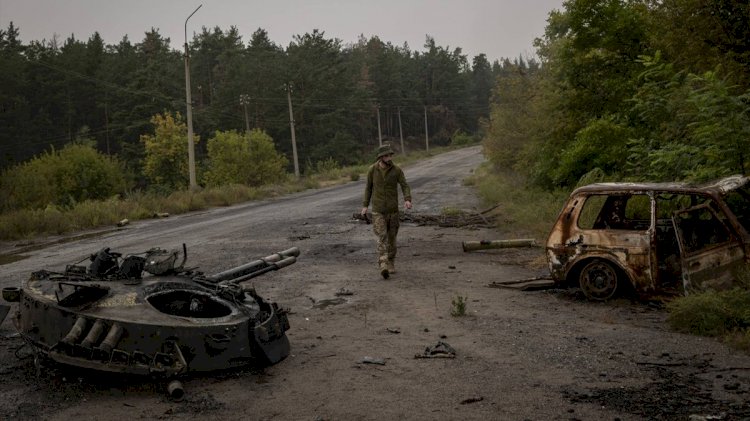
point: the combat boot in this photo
(384, 270)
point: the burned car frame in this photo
(653, 238)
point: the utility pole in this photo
(188, 102)
(244, 100)
(426, 136)
(400, 132)
(380, 137)
(291, 125)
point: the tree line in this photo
(643, 90)
(55, 93)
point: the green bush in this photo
(249, 159)
(461, 138)
(166, 150)
(62, 178)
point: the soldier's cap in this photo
(385, 150)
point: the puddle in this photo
(10, 258)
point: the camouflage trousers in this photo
(385, 226)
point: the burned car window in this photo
(669, 203)
(620, 212)
(700, 229)
(591, 209)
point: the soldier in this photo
(382, 178)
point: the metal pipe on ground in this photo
(498, 244)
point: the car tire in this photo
(598, 280)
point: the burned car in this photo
(174, 320)
(652, 238)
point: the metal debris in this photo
(343, 291)
(372, 360)
(440, 350)
(498, 244)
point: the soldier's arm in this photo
(368, 191)
(405, 189)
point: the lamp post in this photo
(188, 102)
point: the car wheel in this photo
(598, 280)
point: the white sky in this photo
(498, 28)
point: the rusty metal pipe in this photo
(254, 266)
(175, 390)
(113, 337)
(76, 331)
(497, 244)
(94, 334)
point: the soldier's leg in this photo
(380, 227)
(393, 225)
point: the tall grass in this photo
(523, 210)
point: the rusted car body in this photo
(108, 317)
(654, 238)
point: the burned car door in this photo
(614, 236)
(710, 251)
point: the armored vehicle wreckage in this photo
(176, 320)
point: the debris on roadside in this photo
(372, 360)
(472, 400)
(497, 244)
(343, 291)
(528, 284)
(440, 350)
(393, 330)
(123, 222)
(457, 220)
(161, 215)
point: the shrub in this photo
(249, 159)
(62, 178)
(166, 152)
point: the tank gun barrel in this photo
(257, 267)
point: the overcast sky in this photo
(498, 28)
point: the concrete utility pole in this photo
(400, 132)
(244, 100)
(291, 125)
(188, 102)
(426, 136)
(380, 137)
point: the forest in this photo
(651, 90)
(640, 90)
(60, 92)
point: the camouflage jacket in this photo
(381, 188)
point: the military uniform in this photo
(382, 190)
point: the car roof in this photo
(720, 186)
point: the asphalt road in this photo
(264, 224)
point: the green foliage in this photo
(523, 210)
(599, 145)
(63, 178)
(458, 306)
(249, 159)
(461, 138)
(166, 152)
(711, 313)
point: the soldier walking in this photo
(382, 180)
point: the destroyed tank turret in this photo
(109, 317)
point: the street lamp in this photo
(188, 102)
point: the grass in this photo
(29, 223)
(524, 210)
(458, 306)
(721, 314)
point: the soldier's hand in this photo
(407, 204)
(364, 211)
